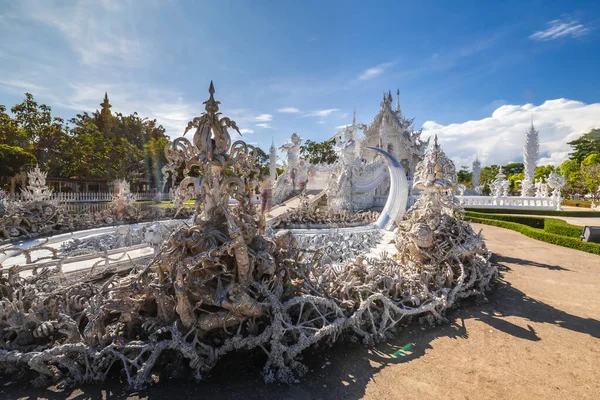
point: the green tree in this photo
(590, 172)
(13, 159)
(513, 168)
(542, 171)
(465, 176)
(588, 143)
(45, 133)
(318, 152)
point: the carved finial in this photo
(212, 106)
(436, 146)
(398, 100)
(354, 118)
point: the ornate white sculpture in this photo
(36, 186)
(123, 200)
(556, 182)
(541, 188)
(219, 286)
(531, 150)
(500, 185)
(296, 172)
(476, 175)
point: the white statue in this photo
(500, 185)
(476, 175)
(541, 188)
(36, 186)
(531, 150)
(123, 200)
(556, 182)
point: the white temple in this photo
(391, 132)
(360, 179)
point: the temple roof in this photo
(394, 122)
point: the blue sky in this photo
(474, 72)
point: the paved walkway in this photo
(536, 338)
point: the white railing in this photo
(93, 197)
(539, 203)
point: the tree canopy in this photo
(588, 143)
(101, 145)
(318, 152)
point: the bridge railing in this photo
(539, 203)
(93, 197)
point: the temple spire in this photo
(354, 117)
(398, 100)
(105, 104)
(212, 105)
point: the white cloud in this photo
(264, 117)
(18, 86)
(264, 126)
(322, 113)
(499, 139)
(288, 110)
(560, 28)
(242, 131)
(374, 72)
(343, 126)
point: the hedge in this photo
(562, 228)
(539, 234)
(534, 222)
(588, 214)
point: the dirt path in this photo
(536, 338)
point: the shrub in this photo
(534, 222)
(539, 234)
(587, 214)
(560, 227)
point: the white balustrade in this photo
(92, 197)
(537, 203)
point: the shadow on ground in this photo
(343, 371)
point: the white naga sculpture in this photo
(36, 186)
(531, 150)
